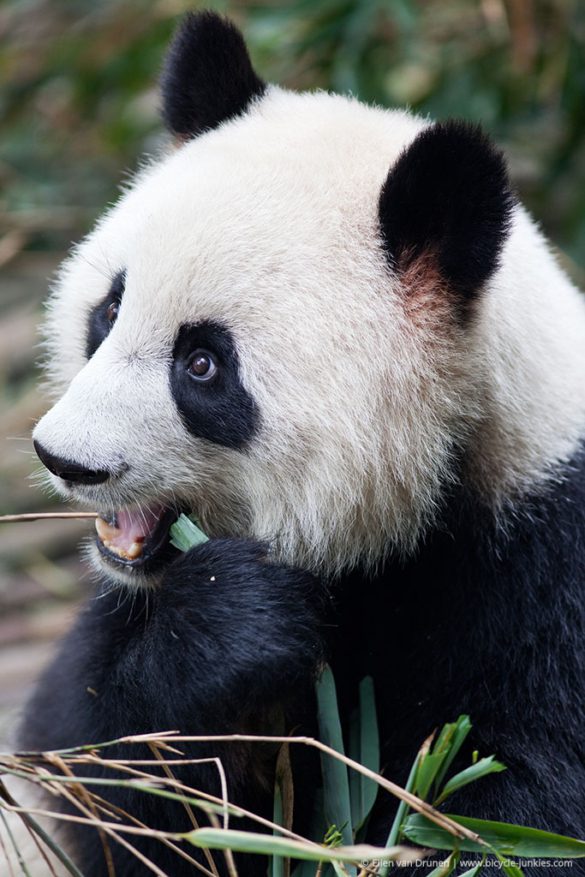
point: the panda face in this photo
(224, 338)
(296, 323)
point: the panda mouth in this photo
(137, 536)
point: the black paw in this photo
(226, 637)
(253, 626)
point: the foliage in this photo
(336, 852)
(79, 100)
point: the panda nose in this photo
(69, 470)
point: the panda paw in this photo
(253, 625)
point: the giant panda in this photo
(332, 333)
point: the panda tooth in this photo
(105, 531)
(134, 551)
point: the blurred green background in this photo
(79, 89)
(78, 106)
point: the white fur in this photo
(269, 225)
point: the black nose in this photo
(68, 470)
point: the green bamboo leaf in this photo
(185, 534)
(364, 747)
(451, 740)
(277, 862)
(354, 776)
(508, 867)
(506, 839)
(369, 747)
(403, 808)
(445, 737)
(428, 769)
(433, 764)
(269, 845)
(335, 778)
(481, 768)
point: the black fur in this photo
(222, 410)
(487, 620)
(448, 195)
(99, 326)
(207, 77)
(228, 642)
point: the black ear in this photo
(449, 196)
(207, 77)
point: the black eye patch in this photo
(100, 318)
(220, 410)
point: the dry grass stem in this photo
(39, 516)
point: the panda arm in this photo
(228, 642)
(226, 633)
(244, 632)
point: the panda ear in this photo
(448, 197)
(207, 76)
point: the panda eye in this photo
(104, 314)
(202, 365)
(112, 311)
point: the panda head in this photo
(273, 329)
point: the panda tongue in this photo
(133, 528)
(138, 523)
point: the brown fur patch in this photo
(428, 301)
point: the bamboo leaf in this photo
(364, 747)
(481, 768)
(428, 769)
(396, 829)
(508, 867)
(451, 739)
(354, 776)
(277, 862)
(269, 845)
(369, 748)
(506, 839)
(335, 778)
(185, 534)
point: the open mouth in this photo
(137, 537)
